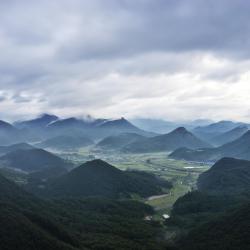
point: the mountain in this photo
(239, 148)
(9, 134)
(115, 127)
(65, 142)
(118, 141)
(88, 224)
(32, 160)
(230, 135)
(98, 178)
(228, 175)
(14, 147)
(229, 231)
(37, 123)
(215, 129)
(180, 137)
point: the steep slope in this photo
(29, 223)
(228, 175)
(230, 136)
(65, 142)
(239, 148)
(32, 160)
(98, 178)
(118, 141)
(180, 137)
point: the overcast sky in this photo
(170, 59)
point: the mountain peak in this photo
(180, 130)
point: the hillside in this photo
(178, 138)
(228, 175)
(98, 178)
(9, 134)
(65, 142)
(29, 223)
(230, 136)
(118, 141)
(239, 148)
(32, 160)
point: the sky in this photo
(169, 59)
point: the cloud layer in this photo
(168, 59)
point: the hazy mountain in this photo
(154, 125)
(180, 137)
(230, 135)
(215, 129)
(14, 147)
(98, 178)
(239, 148)
(118, 141)
(37, 123)
(32, 160)
(65, 142)
(9, 134)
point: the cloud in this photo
(164, 58)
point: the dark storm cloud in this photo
(117, 54)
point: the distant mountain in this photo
(117, 142)
(154, 125)
(215, 129)
(98, 178)
(14, 147)
(9, 134)
(230, 135)
(239, 148)
(32, 160)
(180, 137)
(65, 142)
(37, 123)
(228, 175)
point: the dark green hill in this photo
(65, 142)
(230, 231)
(32, 160)
(118, 141)
(180, 137)
(239, 148)
(228, 175)
(29, 223)
(98, 178)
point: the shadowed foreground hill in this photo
(180, 137)
(28, 223)
(98, 178)
(32, 160)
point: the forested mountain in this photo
(32, 160)
(98, 178)
(239, 148)
(180, 137)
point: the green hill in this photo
(98, 178)
(32, 160)
(29, 223)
